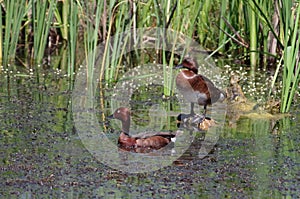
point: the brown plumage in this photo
(196, 88)
(155, 140)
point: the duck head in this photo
(122, 114)
(189, 63)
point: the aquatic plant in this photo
(12, 15)
(262, 32)
(273, 31)
(91, 37)
(291, 69)
(115, 43)
(72, 34)
(42, 16)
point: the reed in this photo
(69, 12)
(251, 21)
(222, 36)
(14, 12)
(291, 69)
(72, 35)
(288, 43)
(253, 27)
(42, 13)
(1, 37)
(162, 14)
(119, 42)
(274, 31)
(262, 29)
(232, 25)
(91, 36)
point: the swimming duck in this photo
(154, 140)
(196, 88)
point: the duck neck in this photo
(126, 126)
(195, 70)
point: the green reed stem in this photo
(1, 37)
(291, 69)
(222, 35)
(253, 35)
(204, 20)
(261, 12)
(119, 43)
(42, 15)
(73, 32)
(13, 19)
(106, 52)
(66, 15)
(91, 39)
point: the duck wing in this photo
(144, 135)
(212, 91)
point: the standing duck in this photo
(196, 88)
(150, 140)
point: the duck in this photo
(190, 119)
(196, 88)
(195, 122)
(153, 140)
(235, 92)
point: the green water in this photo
(42, 154)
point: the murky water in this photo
(42, 154)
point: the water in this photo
(42, 154)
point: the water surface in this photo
(42, 154)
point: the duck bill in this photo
(110, 116)
(178, 66)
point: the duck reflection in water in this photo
(195, 122)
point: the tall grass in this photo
(14, 12)
(291, 69)
(271, 30)
(117, 43)
(42, 13)
(256, 23)
(287, 44)
(260, 30)
(72, 34)
(253, 27)
(91, 37)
